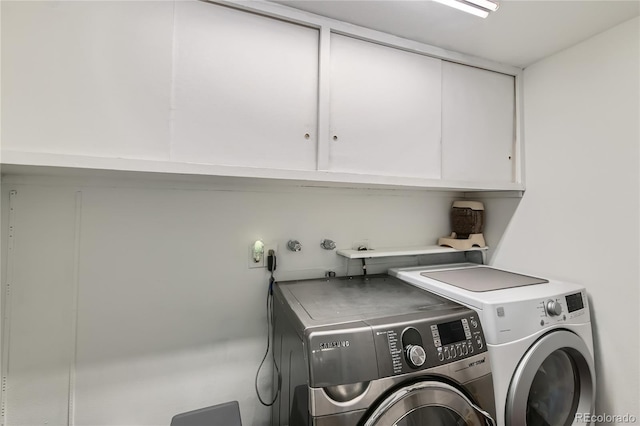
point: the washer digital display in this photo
(451, 332)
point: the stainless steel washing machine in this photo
(376, 351)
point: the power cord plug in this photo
(271, 261)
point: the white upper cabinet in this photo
(249, 89)
(87, 78)
(478, 118)
(245, 89)
(384, 110)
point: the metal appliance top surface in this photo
(321, 302)
(483, 279)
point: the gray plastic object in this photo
(227, 414)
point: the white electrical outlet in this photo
(262, 263)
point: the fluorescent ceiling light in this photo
(479, 8)
(485, 4)
(465, 8)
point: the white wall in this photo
(579, 218)
(169, 316)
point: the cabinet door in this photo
(477, 124)
(385, 110)
(245, 89)
(87, 78)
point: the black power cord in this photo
(271, 266)
(364, 262)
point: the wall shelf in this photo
(402, 251)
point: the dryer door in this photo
(554, 383)
(430, 403)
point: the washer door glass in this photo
(554, 381)
(429, 403)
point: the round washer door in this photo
(554, 381)
(430, 403)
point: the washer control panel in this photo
(417, 345)
(457, 339)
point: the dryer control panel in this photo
(420, 344)
(561, 308)
(511, 320)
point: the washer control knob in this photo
(416, 356)
(553, 308)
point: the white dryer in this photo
(538, 335)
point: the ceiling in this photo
(520, 33)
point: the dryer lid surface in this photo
(483, 279)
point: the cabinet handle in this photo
(335, 137)
(307, 135)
